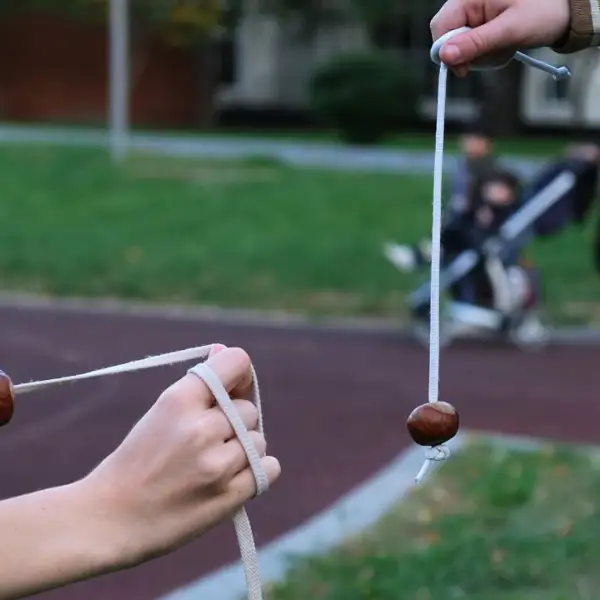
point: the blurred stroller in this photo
(491, 287)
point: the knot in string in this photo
(437, 453)
(441, 453)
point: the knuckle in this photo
(208, 426)
(259, 441)
(435, 27)
(478, 41)
(194, 438)
(247, 411)
(210, 470)
(439, 23)
(170, 397)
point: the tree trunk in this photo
(209, 64)
(500, 99)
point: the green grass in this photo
(489, 525)
(252, 234)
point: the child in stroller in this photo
(499, 293)
(476, 161)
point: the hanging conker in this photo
(433, 423)
(7, 399)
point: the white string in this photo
(149, 362)
(438, 452)
(436, 234)
(442, 452)
(241, 521)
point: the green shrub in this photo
(363, 96)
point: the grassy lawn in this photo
(489, 525)
(244, 234)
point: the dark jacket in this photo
(464, 231)
(575, 205)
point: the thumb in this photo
(499, 35)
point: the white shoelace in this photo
(442, 452)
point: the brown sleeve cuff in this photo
(581, 32)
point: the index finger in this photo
(451, 16)
(233, 368)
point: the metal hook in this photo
(557, 73)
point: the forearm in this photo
(584, 30)
(51, 538)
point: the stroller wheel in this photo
(529, 334)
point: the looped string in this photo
(243, 528)
(441, 453)
(437, 453)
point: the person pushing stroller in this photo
(476, 161)
(498, 281)
(500, 293)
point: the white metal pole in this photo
(118, 65)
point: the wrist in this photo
(91, 538)
(116, 545)
(580, 31)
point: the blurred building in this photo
(272, 66)
(55, 70)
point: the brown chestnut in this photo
(7, 399)
(433, 423)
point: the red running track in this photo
(326, 394)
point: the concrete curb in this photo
(298, 153)
(229, 316)
(352, 514)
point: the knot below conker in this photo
(433, 423)
(7, 399)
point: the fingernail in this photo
(451, 53)
(216, 348)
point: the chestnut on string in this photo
(7, 399)
(433, 423)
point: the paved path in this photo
(296, 152)
(335, 406)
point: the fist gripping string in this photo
(243, 529)
(435, 423)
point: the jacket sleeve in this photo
(584, 31)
